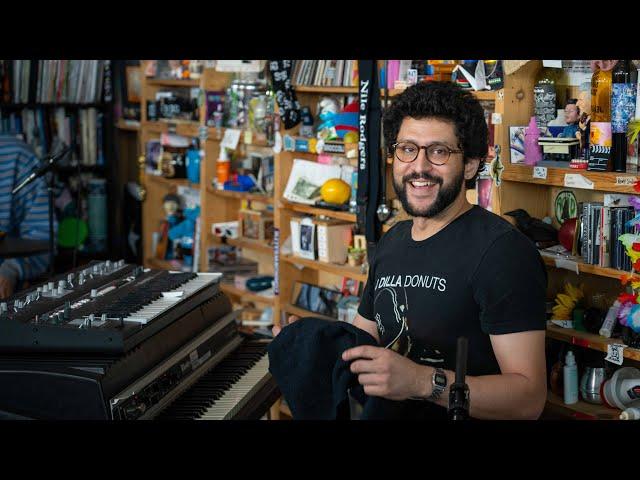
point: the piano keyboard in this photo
(223, 391)
(157, 307)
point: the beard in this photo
(446, 194)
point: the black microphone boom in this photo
(459, 391)
(38, 172)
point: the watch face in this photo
(440, 379)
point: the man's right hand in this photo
(276, 328)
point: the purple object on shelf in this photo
(532, 151)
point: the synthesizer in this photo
(118, 341)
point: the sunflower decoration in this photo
(567, 301)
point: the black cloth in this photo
(478, 276)
(306, 361)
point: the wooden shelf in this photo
(230, 289)
(590, 269)
(168, 182)
(602, 181)
(581, 410)
(588, 340)
(183, 127)
(314, 89)
(258, 197)
(342, 270)
(173, 82)
(485, 94)
(250, 244)
(311, 210)
(301, 312)
(124, 125)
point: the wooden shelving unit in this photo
(341, 270)
(251, 244)
(590, 269)
(310, 210)
(581, 410)
(240, 195)
(172, 82)
(588, 340)
(602, 181)
(246, 294)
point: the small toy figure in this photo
(572, 118)
(584, 107)
(182, 235)
(171, 205)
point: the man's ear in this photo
(471, 167)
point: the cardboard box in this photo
(333, 239)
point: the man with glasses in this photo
(454, 270)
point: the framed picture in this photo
(134, 84)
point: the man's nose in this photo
(422, 163)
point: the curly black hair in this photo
(445, 101)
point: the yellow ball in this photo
(335, 190)
(350, 137)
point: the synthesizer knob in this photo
(94, 293)
(3, 307)
(103, 317)
(70, 279)
(81, 278)
(60, 290)
(51, 285)
(107, 265)
(59, 318)
(92, 319)
(62, 283)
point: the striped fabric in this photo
(27, 214)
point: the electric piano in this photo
(116, 341)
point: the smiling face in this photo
(425, 189)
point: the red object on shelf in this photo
(580, 342)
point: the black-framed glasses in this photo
(437, 153)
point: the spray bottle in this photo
(570, 379)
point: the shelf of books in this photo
(588, 340)
(230, 289)
(343, 270)
(581, 410)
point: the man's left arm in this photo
(519, 392)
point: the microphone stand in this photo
(49, 164)
(459, 390)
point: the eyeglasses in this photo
(437, 153)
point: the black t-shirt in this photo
(476, 277)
